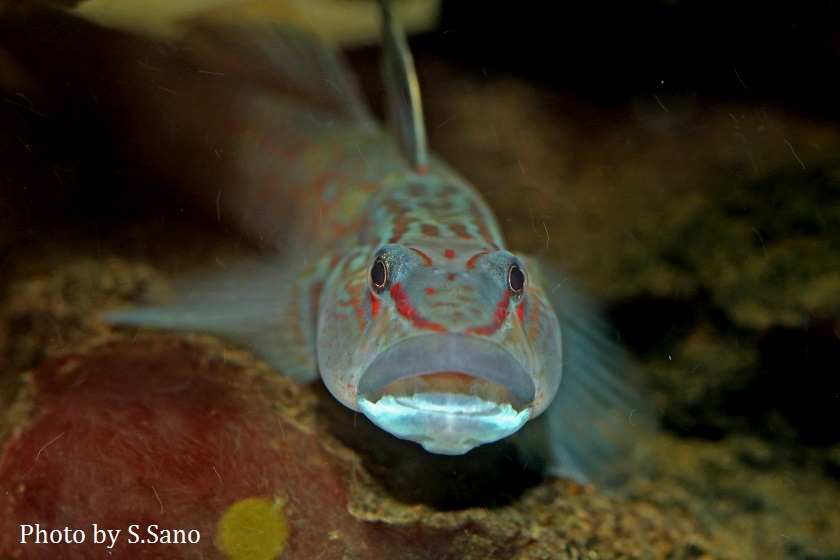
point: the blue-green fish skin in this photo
(395, 284)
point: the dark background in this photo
(778, 51)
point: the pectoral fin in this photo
(596, 428)
(268, 307)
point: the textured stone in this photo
(161, 434)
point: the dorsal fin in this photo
(402, 92)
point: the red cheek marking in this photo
(449, 254)
(450, 276)
(498, 317)
(430, 291)
(408, 311)
(520, 312)
(374, 301)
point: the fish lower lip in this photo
(407, 389)
(443, 423)
(449, 393)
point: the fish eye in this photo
(378, 275)
(516, 279)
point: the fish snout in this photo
(447, 392)
(460, 302)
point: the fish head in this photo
(451, 348)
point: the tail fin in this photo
(283, 59)
(343, 23)
(272, 42)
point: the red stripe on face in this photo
(422, 254)
(374, 301)
(471, 263)
(449, 254)
(498, 318)
(520, 311)
(408, 311)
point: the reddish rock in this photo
(161, 432)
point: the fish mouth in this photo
(447, 392)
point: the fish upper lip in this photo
(453, 352)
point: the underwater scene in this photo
(260, 299)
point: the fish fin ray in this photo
(597, 427)
(402, 92)
(282, 58)
(266, 306)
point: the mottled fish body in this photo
(395, 284)
(454, 347)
